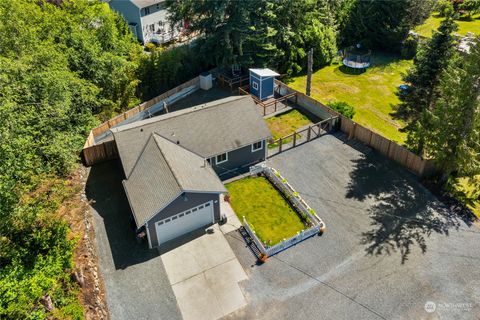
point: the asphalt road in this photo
(391, 249)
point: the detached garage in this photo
(172, 191)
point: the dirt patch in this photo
(77, 213)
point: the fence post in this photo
(280, 142)
(352, 133)
(309, 132)
(294, 138)
(275, 105)
(296, 98)
(264, 110)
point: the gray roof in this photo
(207, 130)
(162, 173)
(145, 3)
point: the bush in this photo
(409, 48)
(342, 108)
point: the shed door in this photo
(184, 222)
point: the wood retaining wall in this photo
(386, 147)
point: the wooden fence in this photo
(386, 147)
(99, 153)
(93, 153)
(301, 136)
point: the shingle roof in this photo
(163, 172)
(207, 130)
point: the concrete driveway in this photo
(204, 274)
(391, 249)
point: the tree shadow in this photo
(105, 192)
(403, 212)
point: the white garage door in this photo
(184, 222)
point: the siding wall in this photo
(130, 12)
(239, 160)
(179, 205)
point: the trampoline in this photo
(356, 57)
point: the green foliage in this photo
(61, 68)
(343, 108)
(383, 24)
(443, 7)
(163, 70)
(270, 33)
(472, 7)
(409, 48)
(423, 78)
(454, 124)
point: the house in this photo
(173, 164)
(262, 82)
(148, 19)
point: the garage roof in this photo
(207, 130)
(162, 173)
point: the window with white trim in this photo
(257, 146)
(221, 158)
(255, 85)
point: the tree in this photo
(454, 138)
(262, 33)
(471, 7)
(383, 24)
(423, 78)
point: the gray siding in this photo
(179, 205)
(153, 8)
(130, 12)
(239, 161)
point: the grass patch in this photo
(371, 93)
(286, 123)
(464, 26)
(267, 212)
(466, 190)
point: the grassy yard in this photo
(372, 93)
(464, 26)
(286, 123)
(267, 212)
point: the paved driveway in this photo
(194, 277)
(389, 248)
(137, 286)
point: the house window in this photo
(257, 146)
(255, 85)
(147, 10)
(221, 158)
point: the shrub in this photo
(343, 108)
(409, 47)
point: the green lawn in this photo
(286, 123)
(464, 26)
(372, 93)
(267, 212)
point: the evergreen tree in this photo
(454, 138)
(423, 79)
(383, 24)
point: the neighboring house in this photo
(148, 19)
(171, 163)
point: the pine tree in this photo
(454, 138)
(423, 79)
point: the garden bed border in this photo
(301, 207)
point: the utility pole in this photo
(309, 71)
